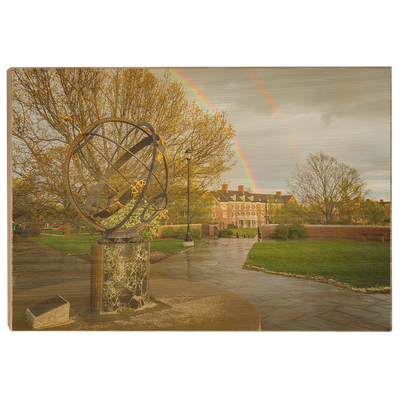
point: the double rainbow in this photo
(243, 160)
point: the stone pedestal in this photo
(119, 276)
(188, 244)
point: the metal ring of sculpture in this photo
(110, 166)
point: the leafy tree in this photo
(371, 212)
(287, 214)
(323, 187)
(388, 213)
(200, 206)
(52, 105)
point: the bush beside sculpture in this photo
(181, 233)
(226, 233)
(169, 233)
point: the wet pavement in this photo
(203, 288)
(40, 273)
(284, 303)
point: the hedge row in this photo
(181, 233)
(292, 231)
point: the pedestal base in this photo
(188, 244)
(119, 276)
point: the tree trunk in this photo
(68, 228)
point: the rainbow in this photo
(243, 160)
(281, 114)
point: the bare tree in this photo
(325, 188)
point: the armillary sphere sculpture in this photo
(116, 171)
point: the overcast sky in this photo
(291, 112)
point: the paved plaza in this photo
(284, 303)
(203, 288)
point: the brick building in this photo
(244, 209)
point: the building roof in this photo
(238, 196)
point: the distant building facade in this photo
(243, 208)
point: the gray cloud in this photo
(344, 112)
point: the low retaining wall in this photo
(206, 229)
(344, 231)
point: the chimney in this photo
(225, 187)
(241, 188)
(381, 200)
(368, 200)
(279, 193)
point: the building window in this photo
(224, 214)
(240, 206)
(213, 214)
(244, 206)
(223, 206)
(214, 205)
(233, 214)
(233, 206)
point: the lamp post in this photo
(188, 241)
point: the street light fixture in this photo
(188, 241)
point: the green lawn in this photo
(359, 264)
(60, 232)
(74, 244)
(81, 244)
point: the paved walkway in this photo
(204, 288)
(40, 273)
(284, 303)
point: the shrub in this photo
(195, 233)
(298, 230)
(232, 226)
(282, 230)
(294, 237)
(284, 237)
(226, 233)
(272, 235)
(182, 232)
(169, 232)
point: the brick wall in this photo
(345, 231)
(211, 229)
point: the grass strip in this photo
(82, 244)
